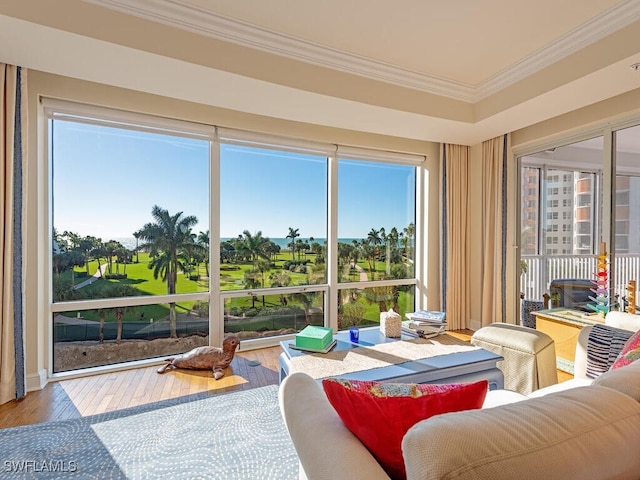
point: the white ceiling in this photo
(462, 42)
(477, 54)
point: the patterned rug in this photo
(239, 435)
(340, 362)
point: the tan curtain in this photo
(12, 372)
(456, 255)
(493, 241)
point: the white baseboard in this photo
(37, 381)
(474, 325)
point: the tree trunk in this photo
(119, 315)
(171, 280)
(388, 259)
(101, 325)
(173, 324)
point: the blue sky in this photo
(107, 180)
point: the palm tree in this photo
(389, 240)
(280, 279)
(375, 237)
(72, 239)
(369, 252)
(113, 291)
(86, 246)
(123, 256)
(299, 248)
(410, 232)
(251, 281)
(307, 299)
(273, 249)
(110, 248)
(137, 234)
(262, 266)
(165, 240)
(204, 242)
(293, 234)
(98, 252)
(227, 251)
(256, 246)
(121, 290)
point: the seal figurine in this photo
(206, 358)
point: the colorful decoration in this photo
(601, 299)
(631, 296)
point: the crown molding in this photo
(610, 21)
(180, 14)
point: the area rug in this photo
(341, 362)
(238, 435)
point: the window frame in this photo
(605, 177)
(215, 135)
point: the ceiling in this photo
(459, 71)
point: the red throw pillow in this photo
(380, 414)
(629, 353)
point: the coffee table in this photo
(460, 367)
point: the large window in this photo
(376, 239)
(168, 235)
(273, 235)
(129, 219)
(560, 220)
(626, 209)
(600, 207)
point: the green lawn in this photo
(140, 277)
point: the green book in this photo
(312, 337)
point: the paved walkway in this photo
(73, 321)
(99, 274)
(361, 271)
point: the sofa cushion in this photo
(624, 379)
(327, 449)
(380, 414)
(630, 352)
(579, 434)
(495, 398)
(560, 387)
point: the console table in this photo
(563, 325)
(459, 367)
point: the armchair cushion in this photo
(380, 414)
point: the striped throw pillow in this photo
(603, 347)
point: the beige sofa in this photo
(580, 429)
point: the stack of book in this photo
(424, 323)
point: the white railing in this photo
(542, 269)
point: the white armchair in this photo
(626, 321)
(621, 320)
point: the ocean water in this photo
(130, 242)
(284, 242)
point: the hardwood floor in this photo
(78, 397)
